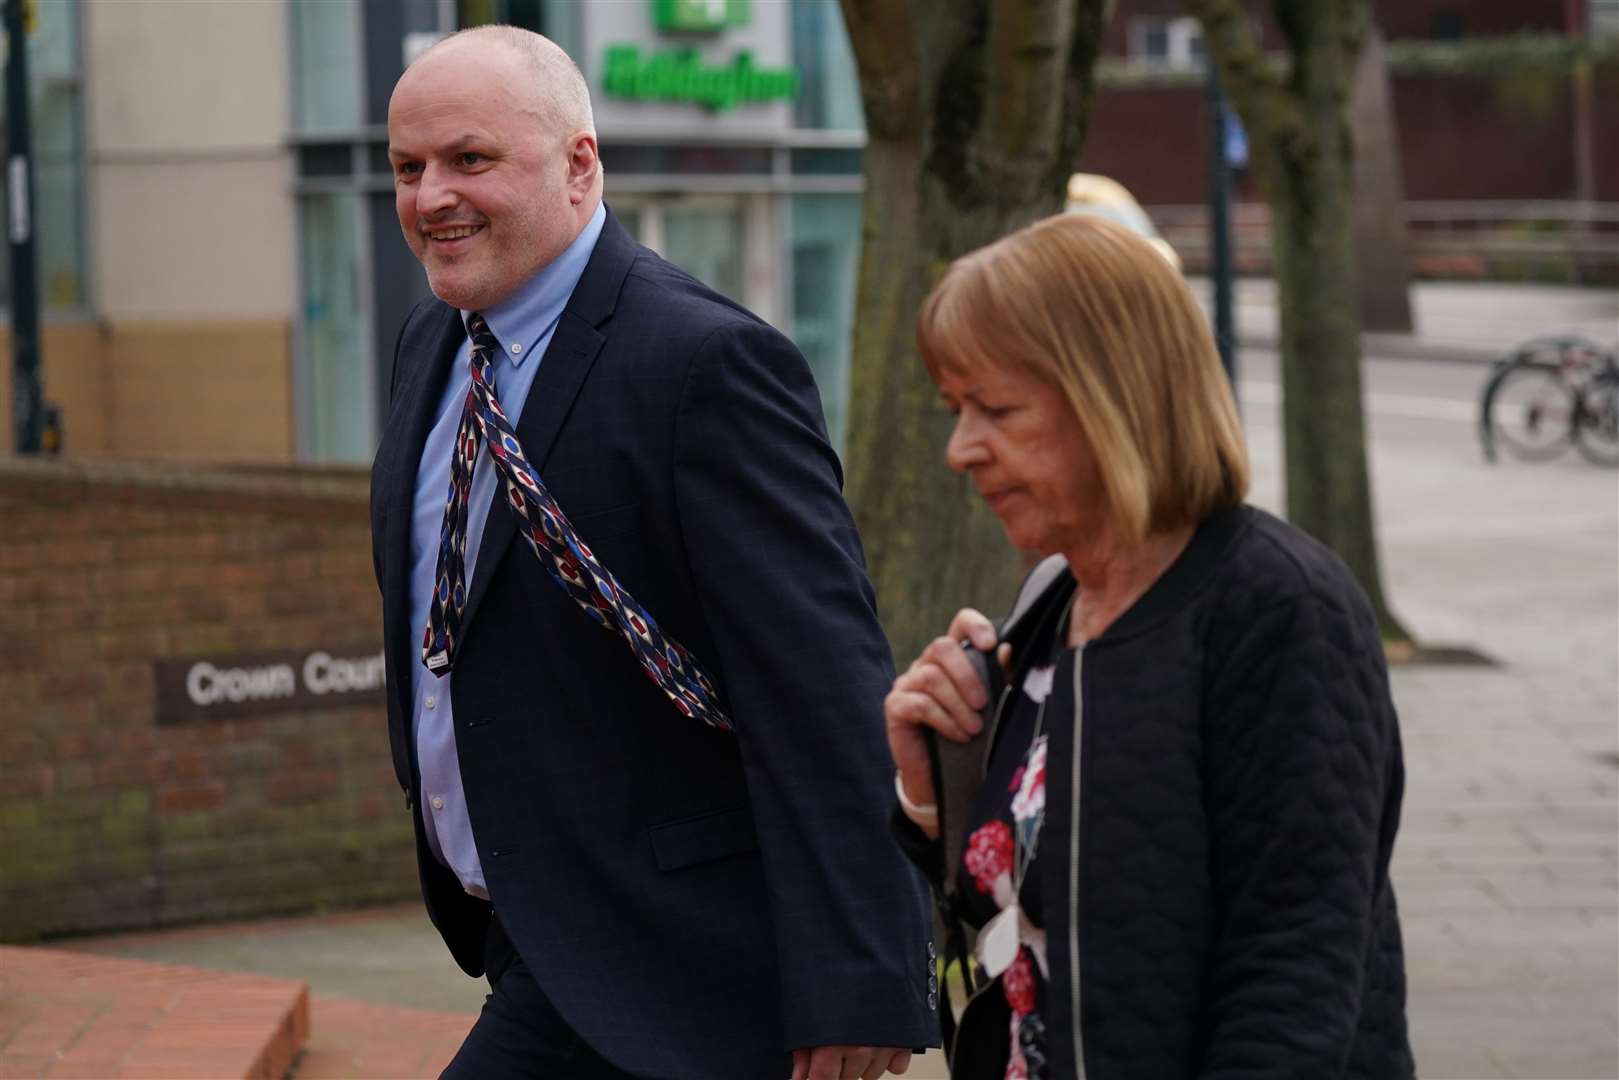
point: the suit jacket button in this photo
(933, 1001)
(931, 953)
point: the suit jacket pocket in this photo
(597, 525)
(719, 834)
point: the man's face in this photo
(481, 187)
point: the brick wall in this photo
(109, 819)
(1460, 137)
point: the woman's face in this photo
(1017, 438)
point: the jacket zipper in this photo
(1073, 861)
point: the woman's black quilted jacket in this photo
(1239, 791)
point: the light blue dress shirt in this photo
(524, 324)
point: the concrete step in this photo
(67, 1014)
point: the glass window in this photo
(826, 257)
(57, 220)
(525, 13)
(558, 20)
(707, 244)
(335, 393)
(829, 90)
(1604, 18)
(1448, 25)
(1163, 42)
(630, 219)
(684, 158)
(55, 128)
(826, 161)
(53, 46)
(327, 159)
(1155, 42)
(327, 65)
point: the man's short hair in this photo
(561, 94)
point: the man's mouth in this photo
(451, 233)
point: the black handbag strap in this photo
(959, 768)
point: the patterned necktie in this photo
(563, 554)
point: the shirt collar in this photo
(526, 316)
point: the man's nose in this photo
(434, 194)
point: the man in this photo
(649, 895)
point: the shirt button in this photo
(517, 347)
(431, 702)
(438, 802)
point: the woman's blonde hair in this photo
(1092, 308)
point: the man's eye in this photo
(406, 168)
(468, 158)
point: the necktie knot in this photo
(483, 338)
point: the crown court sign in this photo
(221, 687)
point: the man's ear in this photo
(583, 165)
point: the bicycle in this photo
(1553, 393)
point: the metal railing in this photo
(1511, 240)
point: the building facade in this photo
(164, 225)
(1489, 99)
(223, 273)
(223, 269)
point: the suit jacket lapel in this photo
(430, 355)
(563, 371)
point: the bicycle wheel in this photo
(1596, 434)
(1532, 412)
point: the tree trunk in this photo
(1382, 259)
(975, 110)
(1299, 135)
(1328, 482)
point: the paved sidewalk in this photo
(386, 1003)
(1507, 864)
(1463, 321)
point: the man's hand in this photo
(848, 1062)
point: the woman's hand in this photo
(939, 690)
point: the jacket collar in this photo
(1174, 589)
(1186, 576)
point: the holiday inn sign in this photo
(698, 16)
(681, 75)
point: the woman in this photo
(1178, 859)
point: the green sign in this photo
(680, 75)
(698, 16)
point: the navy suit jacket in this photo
(694, 902)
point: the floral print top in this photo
(1002, 854)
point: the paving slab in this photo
(67, 1014)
